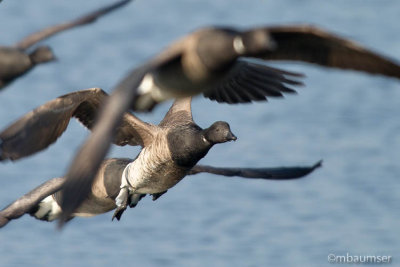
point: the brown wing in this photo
(251, 81)
(314, 45)
(179, 113)
(25, 203)
(41, 127)
(52, 30)
(278, 173)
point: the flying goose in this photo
(213, 61)
(17, 60)
(43, 202)
(170, 151)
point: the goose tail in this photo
(47, 210)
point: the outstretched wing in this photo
(179, 113)
(314, 45)
(41, 127)
(52, 30)
(277, 173)
(251, 81)
(28, 201)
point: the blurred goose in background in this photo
(213, 61)
(15, 61)
(170, 151)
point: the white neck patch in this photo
(238, 45)
(146, 85)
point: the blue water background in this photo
(348, 119)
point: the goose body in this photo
(153, 171)
(15, 62)
(100, 200)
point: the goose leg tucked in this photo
(134, 199)
(124, 199)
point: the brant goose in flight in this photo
(43, 202)
(170, 151)
(16, 61)
(212, 61)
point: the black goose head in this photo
(219, 132)
(253, 42)
(215, 47)
(42, 54)
(219, 47)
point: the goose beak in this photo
(231, 137)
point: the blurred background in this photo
(348, 119)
